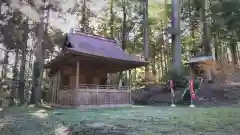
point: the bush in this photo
(180, 79)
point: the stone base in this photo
(192, 106)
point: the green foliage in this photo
(222, 18)
(180, 79)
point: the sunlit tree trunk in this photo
(165, 48)
(23, 62)
(145, 38)
(134, 75)
(166, 17)
(5, 64)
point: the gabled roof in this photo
(200, 59)
(96, 47)
(99, 46)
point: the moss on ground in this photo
(120, 121)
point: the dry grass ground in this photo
(145, 120)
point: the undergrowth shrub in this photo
(179, 79)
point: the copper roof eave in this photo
(56, 60)
(139, 63)
(199, 59)
(68, 51)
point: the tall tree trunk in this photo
(111, 23)
(23, 63)
(145, 38)
(237, 51)
(5, 64)
(39, 61)
(111, 19)
(165, 48)
(176, 39)
(14, 78)
(237, 46)
(124, 25)
(233, 52)
(161, 61)
(154, 62)
(217, 46)
(220, 50)
(83, 20)
(30, 62)
(169, 55)
(190, 8)
(205, 28)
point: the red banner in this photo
(171, 87)
(171, 83)
(192, 92)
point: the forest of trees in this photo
(28, 40)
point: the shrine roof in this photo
(92, 46)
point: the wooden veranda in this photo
(79, 75)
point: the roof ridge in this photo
(95, 36)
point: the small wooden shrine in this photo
(79, 74)
(201, 66)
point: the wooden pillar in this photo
(130, 79)
(130, 85)
(54, 89)
(77, 75)
(59, 79)
(50, 91)
(58, 85)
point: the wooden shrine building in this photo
(201, 66)
(79, 74)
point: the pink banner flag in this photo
(192, 92)
(171, 83)
(171, 87)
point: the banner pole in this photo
(172, 93)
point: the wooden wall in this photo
(54, 87)
(85, 77)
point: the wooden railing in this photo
(109, 87)
(65, 88)
(96, 87)
(94, 95)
